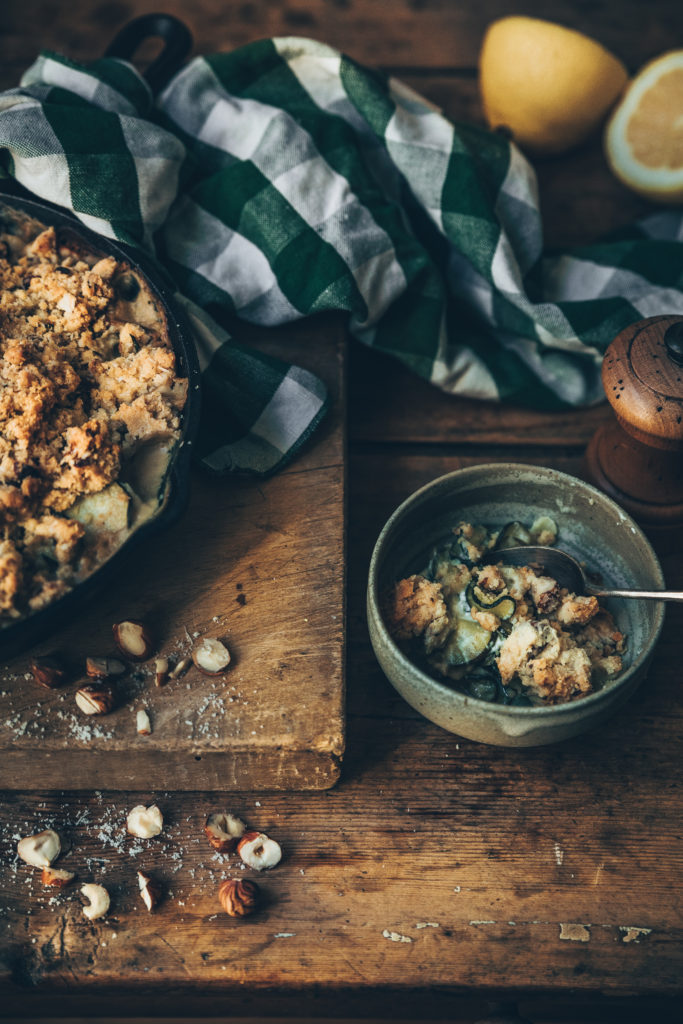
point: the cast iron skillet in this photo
(36, 627)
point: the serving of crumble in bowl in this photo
(501, 655)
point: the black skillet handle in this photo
(177, 44)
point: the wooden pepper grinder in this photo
(638, 459)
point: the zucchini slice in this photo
(108, 510)
(467, 643)
(471, 547)
(544, 531)
(502, 606)
(513, 535)
(483, 684)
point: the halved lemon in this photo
(644, 136)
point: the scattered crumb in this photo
(396, 936)
(284, 935)
(633, 934)
(559, 854)
(427, 924)
(575, 932)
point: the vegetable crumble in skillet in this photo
(90, 410)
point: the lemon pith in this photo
(644, 137)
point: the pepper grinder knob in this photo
(638, 458)
(673, 341)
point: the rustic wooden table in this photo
(550, 877)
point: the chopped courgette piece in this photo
(481, 599)
(471, 543)
(500, 605)
(127, 286)
(467, 643)
(109, 509)
(483, 684)
(544, 531)
(513, 535)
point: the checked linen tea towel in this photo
(283, 179)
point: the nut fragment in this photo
(258, 851)
(133, 639)
(99, 668)
(179, 670)
(40, 850)
(160, 671)
(95, 699)
(223, 830)
(48, 671)
(98, 898)
(144, 726)
(57, 877)
(150, 890)
(239, 897)
(145, 822)
(211, 656)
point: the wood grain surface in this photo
(438, 874)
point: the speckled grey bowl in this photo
(592, 527)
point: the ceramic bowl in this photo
(592, 527)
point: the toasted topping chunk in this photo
(415, 607)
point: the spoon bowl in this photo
(569, 573)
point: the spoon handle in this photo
(641, 595)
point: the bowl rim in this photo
(539, 712)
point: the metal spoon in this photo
(566, 570)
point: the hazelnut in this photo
(258, 851)
(133, 639)
(150, 890)
(48, 671)
(95, 699)
(145, 822)
(239, 897)
(57, 877)
(179, 670)
(211, 656)
(223, 830)
(160, 671)
(100, 668)
(144, 726)
(98, 900)
(40, 850)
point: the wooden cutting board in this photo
(259, 564)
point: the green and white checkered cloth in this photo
(284, 179)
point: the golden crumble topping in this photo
(87, 383)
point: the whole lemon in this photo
(549, 86)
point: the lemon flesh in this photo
(549, 86)
(644, 137)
